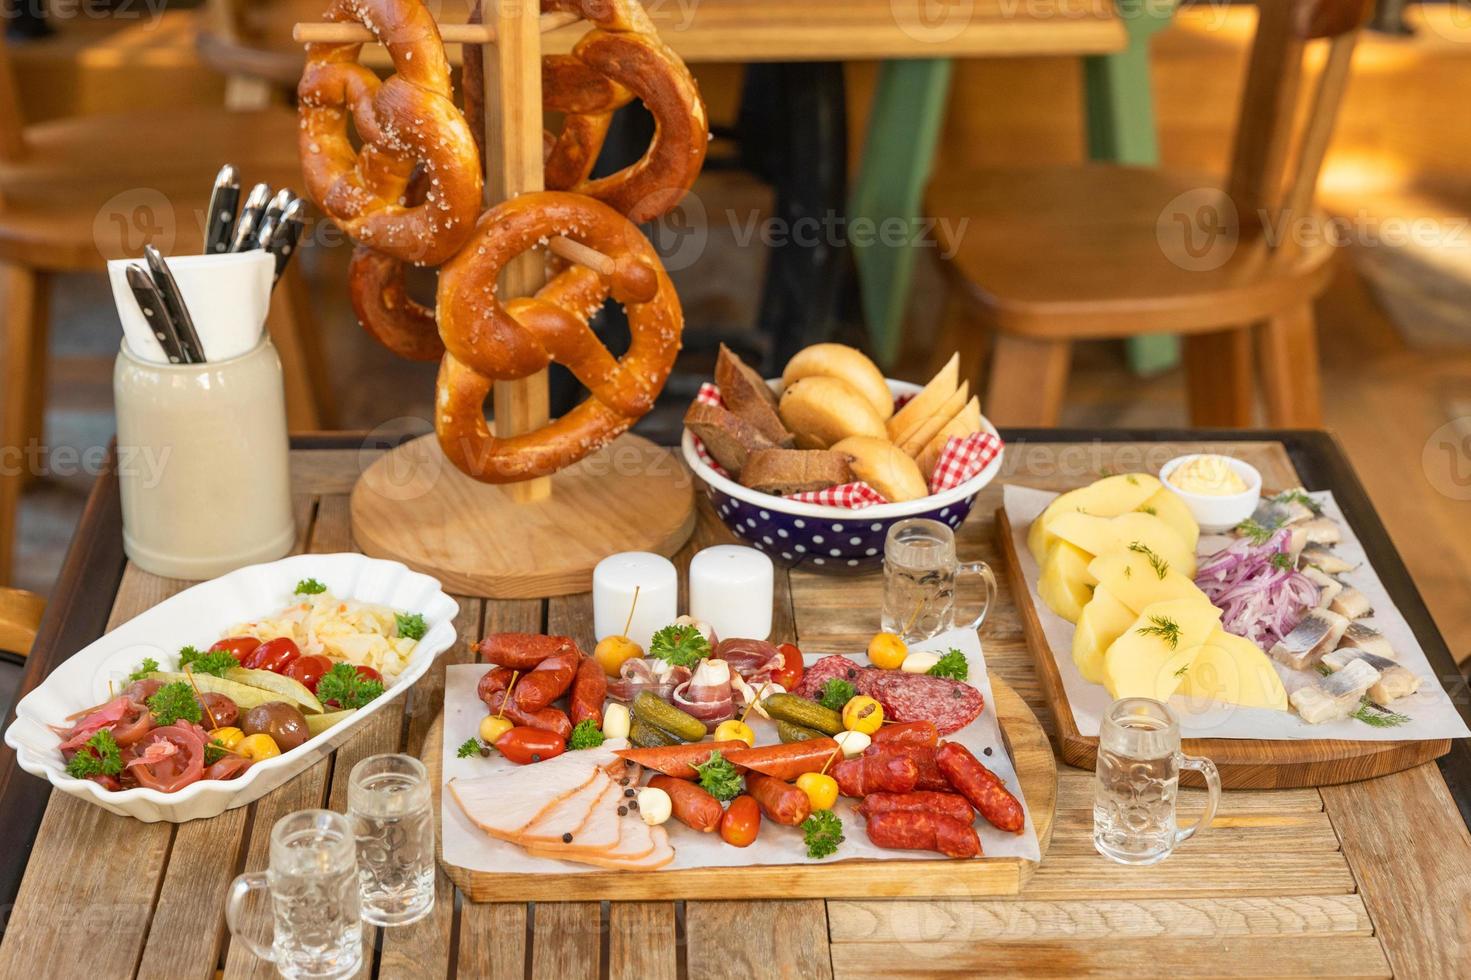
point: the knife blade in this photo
(250, 217)
(223, 200)
(150, 304)
(287, 234)
(173, 302)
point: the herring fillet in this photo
(1316, 634)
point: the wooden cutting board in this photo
(1243, 763)
(977, 878)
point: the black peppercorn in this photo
(566, 838)
(630, 793)
(986, 750)
(623, 811)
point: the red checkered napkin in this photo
(849, 496)
(963, 458)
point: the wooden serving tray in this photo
(1243, 763)
(977, 878)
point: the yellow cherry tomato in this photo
(493, 727)
(863, 714)
(821, 789)
(612, 651)
(228, 737)
(735, 731)
(886, 651)
(257, 747)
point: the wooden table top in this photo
(1352, 880)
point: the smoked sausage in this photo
(907, 733)
(547, 681)
(782, 802)
(951, 805)
(547, 719)
(589, 688)
(879, 773)
(495, 680)
(690, 804)
(930, 777)
(981, 786)
(786, 761)
(522, 651)
(912, 830)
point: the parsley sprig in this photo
(719, 777)
(822, 832)
(98, 756)
(214, 662)
(310, 586)
(952, 665)
(836, 693)
(148, 666)
(173, 702)
(682, 645)
(411, 625)
(1163, 627)
(586, 735)
(469, 748)
(346, 688)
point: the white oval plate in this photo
(199, 616)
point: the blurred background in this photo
(907, 124)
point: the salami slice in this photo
(950, 705)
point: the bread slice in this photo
(926, 403)
(728, 438)
(885, 467)
(966, 422)
(785, 471)
(927, 429)
(749, 397)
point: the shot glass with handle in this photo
(312, 881)
(921, 572)
(1138, 781)
(390, 805)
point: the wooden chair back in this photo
(20, 617)
(12, 114)
(1279, 148)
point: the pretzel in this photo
(487, 341)
(621, 59)
(408, 120)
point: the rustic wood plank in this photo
(1072, 833)
(1192, 871)
(1008, 921)
(492, 941)
(424, 947)
(642, 941)
(757, 939)
(72, 835)
(1259, 956)
(1075, 792)
(566, 940)
(1409, 850)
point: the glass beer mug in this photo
(920, 573)
(1138, 779)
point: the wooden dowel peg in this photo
(581, 254)
(327, 32)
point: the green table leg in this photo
(1121, 129)
(899, 151)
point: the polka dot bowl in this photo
(828, 540)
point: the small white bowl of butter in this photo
(1221, 492)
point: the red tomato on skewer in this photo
(789, 674)
(238, 647)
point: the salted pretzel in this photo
(488, 341)
(407, 121)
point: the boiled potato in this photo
(1104, 620)
(1153, 655)
(1131, 578)
(1064, 583)
(1233, 669)
(1108, 497)
(1105, 535)
(1172, 510)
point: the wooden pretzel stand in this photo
(541, 537)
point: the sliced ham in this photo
(753, 660)
(504, 803)
(589, 817)
(641, 848)
(708, 694)
(641, 674)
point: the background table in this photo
(1351, 880)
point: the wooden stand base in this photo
(413, 506)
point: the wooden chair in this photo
(77, 192)
(20, 617)
(1057, 254)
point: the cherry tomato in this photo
(789, 674)
(273, 655)
(742, 821)
(369, 674)
(524, 745)
(307, 670)
(238, 647)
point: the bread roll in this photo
(848, 364)
(785, 471)
(885, 467)
(749, 397)
(727, 438)
(821, 410)
(926, 430)
(926, 403)
(965, 422)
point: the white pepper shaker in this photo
(617, 579)
(731, 589)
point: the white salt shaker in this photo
(731, 589)
(614, 583)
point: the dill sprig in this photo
(1299, 497)
(1161, 567)
(1164, 628)
(1372, 714)
(1282, 560)
(1256, 531)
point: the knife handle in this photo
(223, 200)
(150, 304)
(173, 302)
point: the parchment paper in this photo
(1431, 713)
(466, 846)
